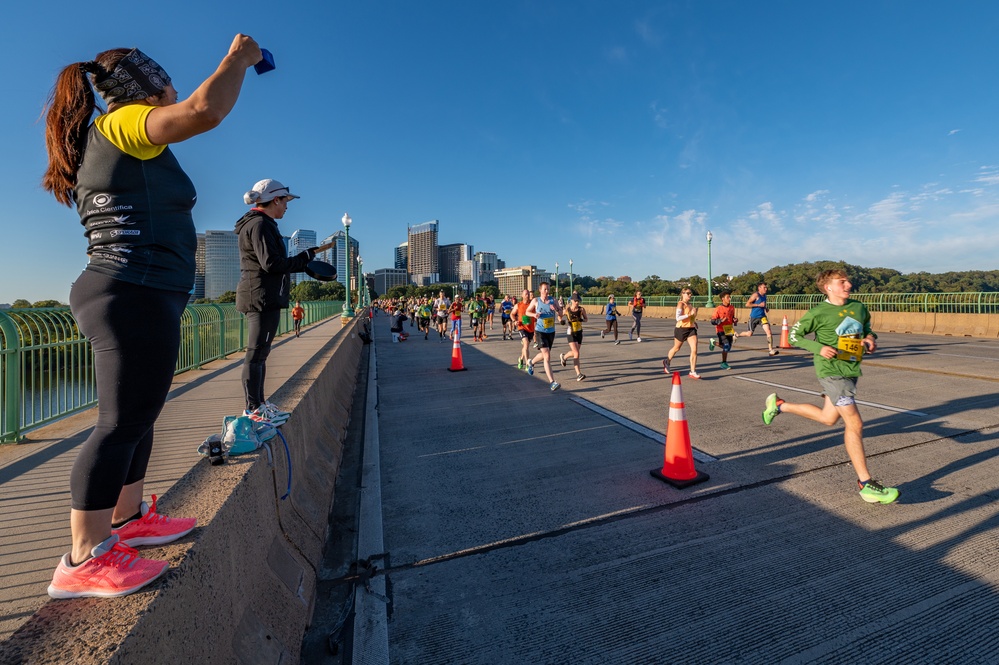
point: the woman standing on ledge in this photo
(263, 289)
(134, 202)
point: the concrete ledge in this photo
(240, 589)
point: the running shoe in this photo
(113, 570)
(602, 333)
(771, 409)
(580, 377)
(725, 366)
(530, 368)
(269, 416)
(616, 342)
(693, 375)
(666, 365)
(711, 344)
(774, 352)
(561, 359)
(153, 528)
(555, 386)
(260, 415)
(520, 363)
(639, 339)
(272, 408)
(874, 492)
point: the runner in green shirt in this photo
(842, 329)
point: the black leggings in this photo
(135, 333)
(260, 330)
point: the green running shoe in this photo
(873, 492)
(520, 363)
(711, 344)
(771, 410)
(725, 366)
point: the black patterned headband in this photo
(135, 77)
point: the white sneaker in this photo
(276, 416)
(561, 359)
(639, 339)
(273, 409)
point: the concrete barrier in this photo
(240, 591)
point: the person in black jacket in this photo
(264, 283)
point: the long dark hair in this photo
(68, 112)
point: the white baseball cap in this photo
(265, 191)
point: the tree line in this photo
(792, 278)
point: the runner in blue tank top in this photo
(758, 316)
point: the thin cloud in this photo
(952, 132)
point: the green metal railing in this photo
(47, 368)
(937, 303)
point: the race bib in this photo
(850, 349)
(728, 329)
(547, 322)
(525, 320)
(577, 326)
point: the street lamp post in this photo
(711, 300)
(556, 281)
(360, 282)
(348, 311)
(570, 277)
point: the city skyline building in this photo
(423, 267)
(299, 241)
(387, 278)
(450, 257)
(512, 281)
(221, 263)
(487, 263)
(199, 270)
(402, 256)
(337, 257)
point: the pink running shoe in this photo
(153, 528)
(114, 570)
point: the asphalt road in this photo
(522, 525)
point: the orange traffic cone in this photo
(678, 464)
(784, 342)
(456, 364)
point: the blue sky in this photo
(613, 133)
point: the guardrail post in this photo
(196, 334)
(12, 380)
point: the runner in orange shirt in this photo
(297, 314)
(525, 324)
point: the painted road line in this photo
(658, 437)
(875, 405)
(507, 443)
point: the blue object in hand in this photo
(265, 65)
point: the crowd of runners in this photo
(840, 326)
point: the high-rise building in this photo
(199, 269)
(449, 261)
(402, 256)
(300, 241)
(468, 275)
(386, 278)
(337, 257)
(221, 263)
(423, 257)
(514, 280)
(487, 264)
